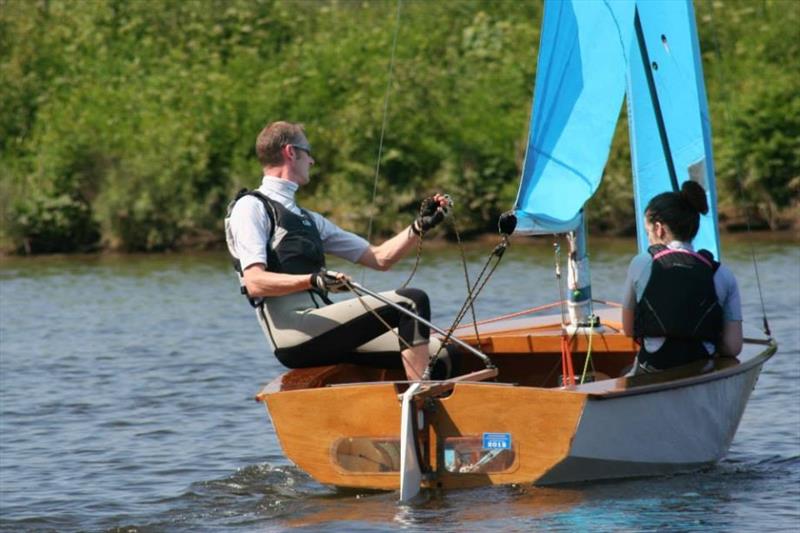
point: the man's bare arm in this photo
(432, 211)
(383, 256)
(260, 282)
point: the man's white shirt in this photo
(250, 227)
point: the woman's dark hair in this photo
(679, 211)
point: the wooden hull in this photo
(542, 439)
(347, 434)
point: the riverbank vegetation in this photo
(130, 124)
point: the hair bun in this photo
(694, 195)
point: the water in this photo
(126, 387)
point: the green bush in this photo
(52, 224)
(128, 125)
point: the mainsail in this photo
(669, 125)
(591, 54)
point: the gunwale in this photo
(508, 337)
(611, 388)
(723, 368)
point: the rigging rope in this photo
(588, 357)
(389, 80)
(740, 185)
(417, 259)
(472, 293)
(477, 287)
(470, 290)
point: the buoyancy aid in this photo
(680, 304)
(294, 245)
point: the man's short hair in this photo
(273, 138)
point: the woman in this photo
(681, 305)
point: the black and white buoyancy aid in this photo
(679, 303)
(294, 245)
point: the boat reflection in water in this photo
(531, 502)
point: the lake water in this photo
(126, 386)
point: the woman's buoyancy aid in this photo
(294, 245)
(680, 304)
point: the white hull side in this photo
(662, 432)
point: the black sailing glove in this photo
(432, 211)
(330, 281)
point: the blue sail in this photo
(591, 54)
(669, 124)
(580, 84)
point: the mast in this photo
(579, 279)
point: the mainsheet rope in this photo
(472, 293)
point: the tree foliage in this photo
(129, 125)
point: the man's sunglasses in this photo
(304, 147)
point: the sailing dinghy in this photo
(519, 413)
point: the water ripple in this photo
(133, 411)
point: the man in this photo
(280, 252)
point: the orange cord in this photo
(567, 370)
(530, 311)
